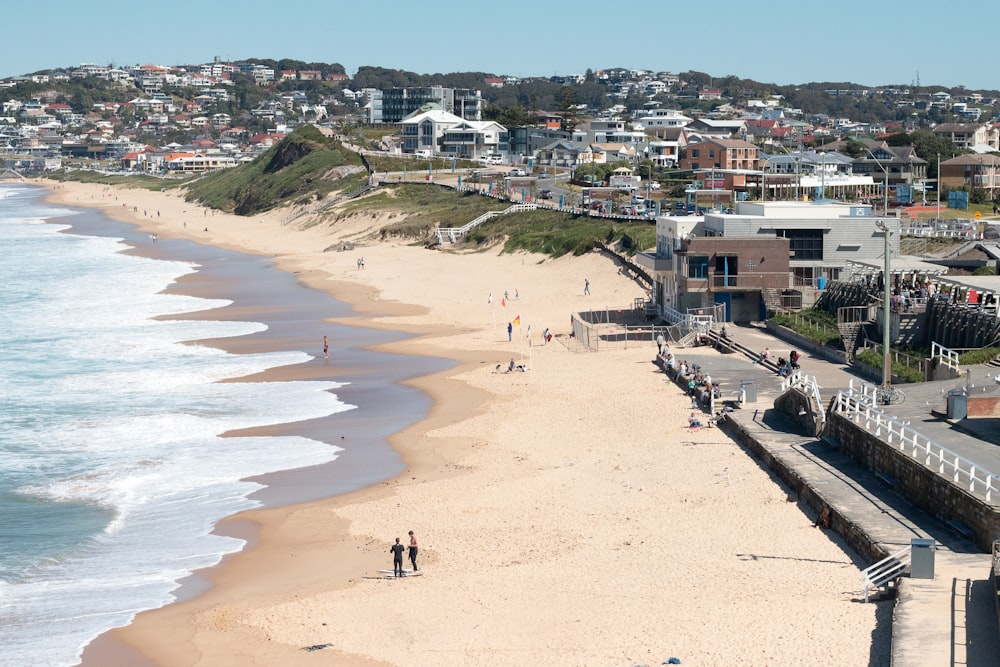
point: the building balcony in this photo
(749, 282)
(651, 262)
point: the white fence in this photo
(961, 471)
(807, 383)
(452, 234)
(944, 356)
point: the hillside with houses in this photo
(752, 138)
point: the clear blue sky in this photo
(772, 41)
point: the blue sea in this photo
(112, 471)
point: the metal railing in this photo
(452, 234)
(959, 470)
(806, 382)
(884, 571)
(944, 356)
(750, 281)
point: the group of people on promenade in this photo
(397, 556)
(785, 366)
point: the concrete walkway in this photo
(948, 620)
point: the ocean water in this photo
(112, 473)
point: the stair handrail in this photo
(889, 568)
(799, 379)
(944, 355)
(455, 233)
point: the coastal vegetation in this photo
(304, 165)
(422, 208)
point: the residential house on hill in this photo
(972, 171)
(897, 165)
(732, 158)
(440, 132)
(967, 135)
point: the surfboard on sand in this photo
(406, 573)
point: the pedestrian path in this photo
(947, 620)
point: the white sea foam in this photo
(106, 408)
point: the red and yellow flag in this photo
(517, 321)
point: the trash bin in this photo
(748, 391)
(821, 283)
(921, 558)
(957, 404)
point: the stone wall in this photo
(801, 409)
(912, 480)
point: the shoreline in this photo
(248, 525)
(585, 457)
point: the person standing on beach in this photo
(397, 558)
(510, 332)
(326, 348)
(586, 286)
(413, 552)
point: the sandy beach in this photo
(566, 515)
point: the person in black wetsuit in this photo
(397, 558)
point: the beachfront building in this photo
(765, 255)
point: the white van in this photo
(422, 152)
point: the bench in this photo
(961, 528)
(886, 479)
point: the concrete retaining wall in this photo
(936, 495)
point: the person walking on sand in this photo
(326, 348)
(397, 558)
(586, 287)
(413, 552)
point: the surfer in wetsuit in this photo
(397, 558)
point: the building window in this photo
(694, 153)
(698, 267)
(804, 244)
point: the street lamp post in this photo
(886, 316)
(885, 184)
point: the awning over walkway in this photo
(904, 264)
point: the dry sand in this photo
(566, 515)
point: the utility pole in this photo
(886, 316)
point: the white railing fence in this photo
(960, 471)
(944, 356)
(806, 382)
(452, 234)
(884, 571)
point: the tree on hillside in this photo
(566, 105)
